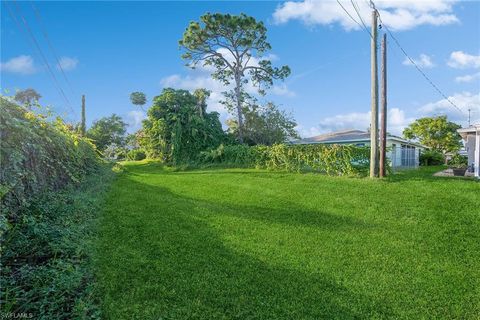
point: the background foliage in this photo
(431, 158)
(437, 133)
(265, 124)
(107, 131)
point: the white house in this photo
(471, 137)
(402, 153)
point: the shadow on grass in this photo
(160, 258)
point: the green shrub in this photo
(136, 154)
(431, 158)
(328, 159)
(458, 161)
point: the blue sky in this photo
(109, 49)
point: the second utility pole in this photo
(374, 119)
(383, 107)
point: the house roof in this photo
(470, 130)
(348, 136)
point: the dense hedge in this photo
(38, 155)
(328, 159)
(45, 220)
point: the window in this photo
(408, 156)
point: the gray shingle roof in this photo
(347, 136)
(339, 136)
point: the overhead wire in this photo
(50, 45)
(412, 61)
(40, 51)
(357, 10)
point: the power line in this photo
(362, 26)
(45, 61)
(413, 62)
(357, 10)
(348, 13)
(45, 34)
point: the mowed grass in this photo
(249, 244)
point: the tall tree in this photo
(435, 132)
(138, 99)
(107, 131)
(235, 47)
(27, 97)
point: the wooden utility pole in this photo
(383, 107)
(374, 119)
(83, 124)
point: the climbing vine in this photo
(327, 159)
(38, 155)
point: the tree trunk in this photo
(238, 93)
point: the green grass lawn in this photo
(249, 244)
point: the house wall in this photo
(395, 154)
(470, 148)
(477, 155)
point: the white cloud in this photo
(462, 60)
(468, 77)
(397, 15)
(464, 101)
(397, 121)
(282, 90)
(67, 63)
(353, 120)
(135, 118)
(22, 65)
(424, 61)
(307, 132)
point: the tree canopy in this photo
(178, 127)
(27, 97)
(435, 132)
(107, 131)
(235, 47)
(138, 98)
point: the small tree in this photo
(234, 46)
(435, 132)
(266, 125)
(27, 97)
(108, 131)
(138, 99)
